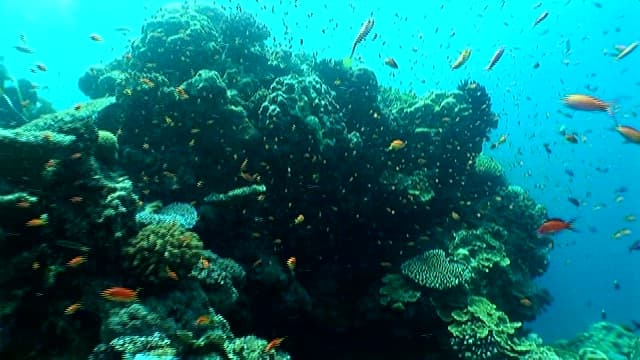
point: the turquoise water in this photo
(572, 47)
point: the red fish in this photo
(362, 34)
(554, 225)
(495, 58)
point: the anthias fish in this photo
(362, 34)
(554, 225)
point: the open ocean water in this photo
(577, 164)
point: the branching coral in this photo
(220, 273)
(434, 270)
(479, 249)
(481, 331)
(160, 249)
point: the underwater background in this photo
(335, 180)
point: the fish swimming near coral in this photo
(120, 294)
(365, 29)
(587, 103)
(555, 225)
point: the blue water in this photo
(425, 40)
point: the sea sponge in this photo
(107, 146)
(160, 250)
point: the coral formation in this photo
(481, 331)
(434, 270)
(181, 213)
(163, 248)
(396, 292)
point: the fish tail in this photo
(570, 224)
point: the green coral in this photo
(396, 292)
(107, 146)
(487, 166)
(481, 331)
(434, 270)
(161, 248)
(156, 344)
(479, 248)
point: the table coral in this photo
(182, 213)
(161, 248)
(434, 270)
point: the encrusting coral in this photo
(160, 250)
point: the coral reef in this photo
(201, 113)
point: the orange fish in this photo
(202, 320)
(23, 204)
(37, 222)
(172, 274)
(73, 308)
(397, 145)
(77, 261)
(204, 262)
(95, 37)
(362, 34)
(587, 103)
(391, 62)
(555, 225)
(630, 134)
(76, 199)
(291, 263)
(525, 302)
(147, 82)
(182, 94)
(120, 294)
(273, 344)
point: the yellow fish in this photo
(397, 145)
(462, 59)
